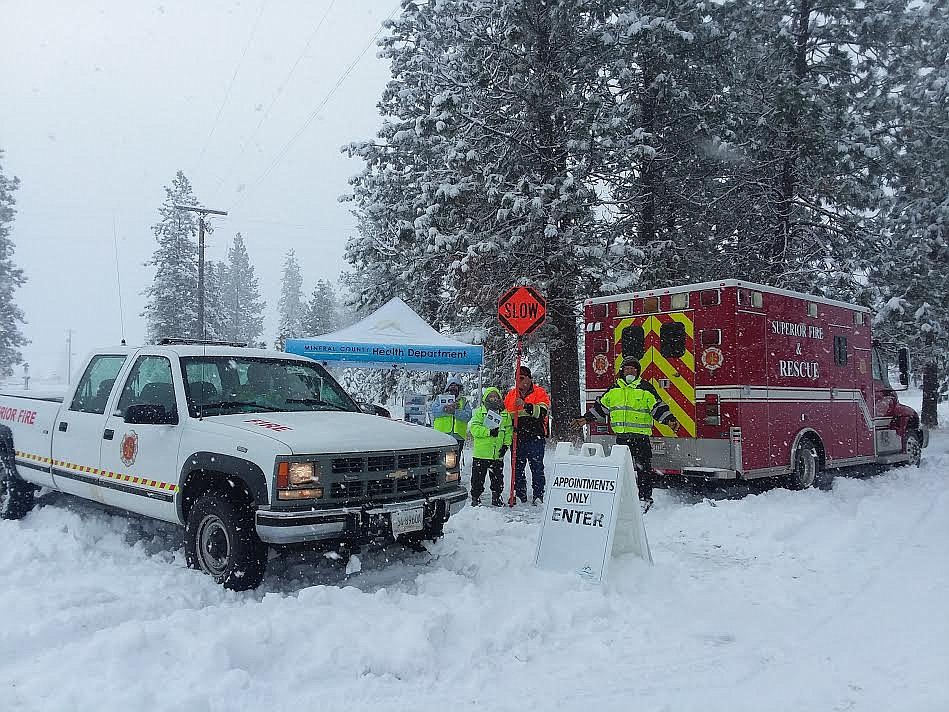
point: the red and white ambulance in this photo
(764, 382)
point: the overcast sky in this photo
(102, 102)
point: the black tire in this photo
(805, 472)
(16, 496)
(914, 448)
(221, 540)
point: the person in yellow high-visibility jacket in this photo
(631, 405)
(452, 417)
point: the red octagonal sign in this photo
(521, 310)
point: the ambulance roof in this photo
(724, 283)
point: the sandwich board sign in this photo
(591, 512)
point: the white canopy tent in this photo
(393, 336)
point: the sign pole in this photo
(512, 499)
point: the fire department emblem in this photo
(601, 364)
(129, 449)
(712, 358)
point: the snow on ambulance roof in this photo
(725, 283)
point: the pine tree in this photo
(910, 267)
(215, 315)
(806, 135)
(291, 307)
(11, 277)
(172, 303)
(243, 307)
(498, 123)
(321, 312)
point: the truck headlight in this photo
(451, 459)
(299, 480)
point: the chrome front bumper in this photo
(350, 523)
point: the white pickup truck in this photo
(245, 448)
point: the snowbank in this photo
(778, 601)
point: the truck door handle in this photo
(62, 426)
(108, 434)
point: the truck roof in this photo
(725, 283)
(204, 350)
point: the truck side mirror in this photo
(902, 360)
(149, 414)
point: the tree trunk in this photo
(930, 395)
(564, 375)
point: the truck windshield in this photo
(224, 385)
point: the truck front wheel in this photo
(221, 541)
(914, 448)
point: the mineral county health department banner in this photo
(462, 357)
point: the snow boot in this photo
(496, 500)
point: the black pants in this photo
(641, 449)
(479, 468)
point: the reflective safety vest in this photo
(455, 423)
(630, 407)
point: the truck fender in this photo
(244, 470)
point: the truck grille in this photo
(367, 477)
(347, 465)
(380, 463)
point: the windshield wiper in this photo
(317, 401)
(238, 404)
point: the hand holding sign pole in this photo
(520, 310)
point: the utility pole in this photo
(68, 356)
(201, 213)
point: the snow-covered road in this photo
(817, 600)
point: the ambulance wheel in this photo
(806, 472)
(914, 448)
(221, 540)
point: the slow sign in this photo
(521, 310)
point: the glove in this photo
(493, 433)
(502, 452)
(579, 422)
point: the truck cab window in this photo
(96, 383)
(150, 383)
(878, 368)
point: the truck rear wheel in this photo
(16, 496)
(221, 540)
(806, 467)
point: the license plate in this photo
(407, 520)
(658, 447)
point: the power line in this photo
(230, 86)
(280, 88)
(312, 117)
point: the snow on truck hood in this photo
(333, 431)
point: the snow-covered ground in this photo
(817, 600)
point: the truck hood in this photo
(334, 432)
